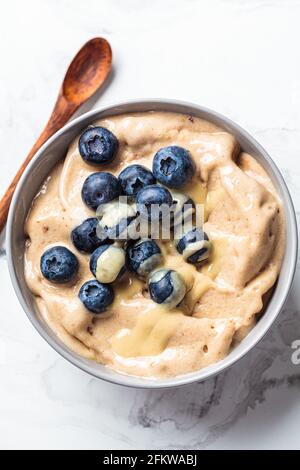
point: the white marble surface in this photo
(240, 57)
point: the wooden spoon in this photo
(86, 73)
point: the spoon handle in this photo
(61, 113)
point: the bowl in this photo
(40, 167)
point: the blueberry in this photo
(107, 263)
(100, 188)
(166, 287)
(96, 297)
(153, 202)
(98, 145)
(173, 166)
(135, 177)
(194, 246)
(59, 265)
(143, 257)
(84, 237)
(116, 220)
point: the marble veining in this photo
(225, 399)
(236, 56)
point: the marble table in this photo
(240, 57)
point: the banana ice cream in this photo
(220, 291)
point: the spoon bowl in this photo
(87, 71)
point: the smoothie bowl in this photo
(152, 243)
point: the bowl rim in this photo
(213, 369)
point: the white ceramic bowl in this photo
(40, 167)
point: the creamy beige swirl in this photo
(243, 218)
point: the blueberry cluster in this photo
(100, 236)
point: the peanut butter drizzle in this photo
(150, 336)
(153, 330)
(127, 289)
